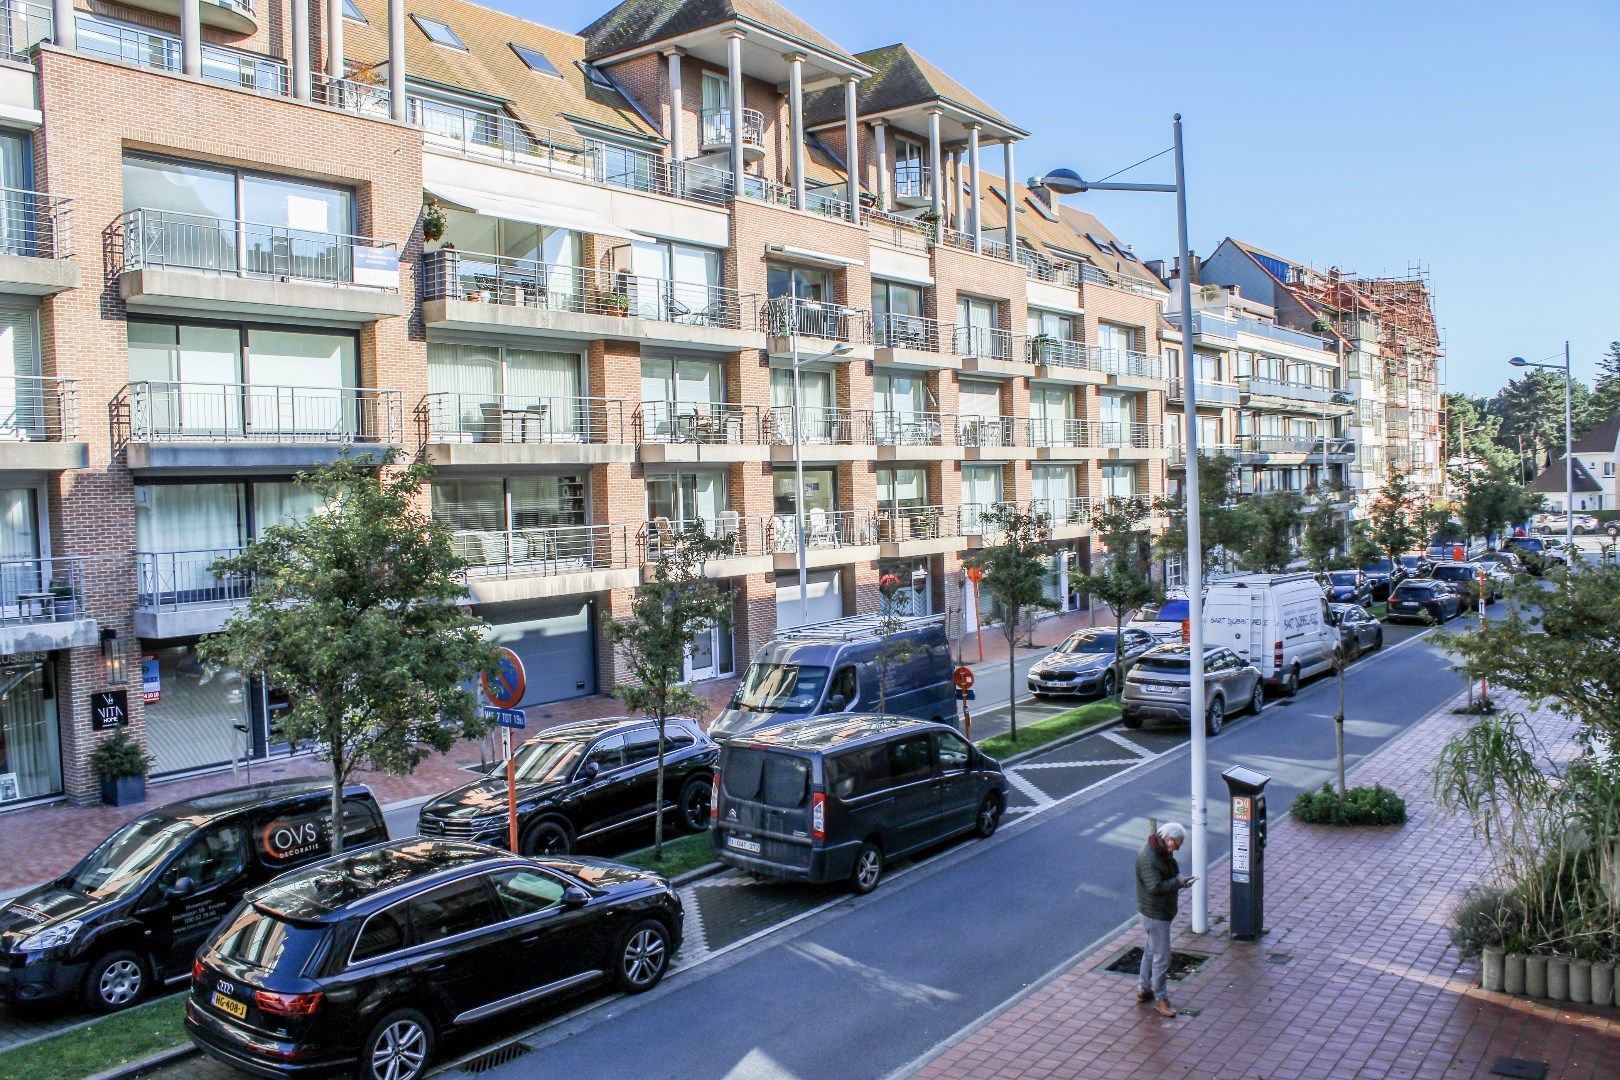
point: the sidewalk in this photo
(1355, 978)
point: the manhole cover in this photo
(1182, 964)
(483, 1063)
(1520, 1069)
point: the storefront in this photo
(30, 747)
(198, 717)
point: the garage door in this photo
(826, 595)
(556, 644)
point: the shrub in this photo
(1376, 805)
(120, 756)
(1486, 916)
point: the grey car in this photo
(1157, 687)
(1085, 663)
(1359, 632)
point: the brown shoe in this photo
(1164, 1008)
(1144, 996)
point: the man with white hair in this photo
(1158, 886)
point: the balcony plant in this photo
(122, 764)
(1042, 348)
(433, 221)
(62, 600)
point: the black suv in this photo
(134, 910)
(579, 783)
(367, 959)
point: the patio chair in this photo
(822, 532)
(728, 530)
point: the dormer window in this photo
(534, 59)
(350, 11)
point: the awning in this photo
(815, 258)
(533, 213)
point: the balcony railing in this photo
(983, 431)
(170, 580)
(984, 342)
(1178, 452)
(897, 524)
(544, 551)
(894, 331)
(978, 519)
(451, 274)
(892, 428)
(784, 316)
(709, 423)
(1209, 393)
(1291, 391)
(823, 529)
(738, 536)
(520, 419)
(1230, 325)
(1051, 271)
(41, 591)
(638, 170)
(235, 412)
(140, 47)
(1129, 362)
(1123, 435)
(1096, 275)
(903, 232)
(1277, 444)
(717, 128)
(361, 98)
(1058, 352)
(161, 52)
(1074, 510)
(482, 133)
(35, 408)
(171, 240)
(22, 26)
(1062, 431)
(822, 427)
(912, 181)
(827, 201)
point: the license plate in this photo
(235, 1008)
(1156, 688)
(751, 846)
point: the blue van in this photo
(834, 667)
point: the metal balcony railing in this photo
(1277, 444)
(171, 580)
(127, 44)
(543, 551)
(979, 519)
(1096, 275)
(717, 128)
(482, 133)
(827, 201)
(37, 408)
(41, 591)
(822, 426)
(1129, 362)
(1137, 436)
(1178, 452)
(945, 236)
(451, 274)
(161, 52)
(902, 232)
(360, 98)
(1063, 431)
(638, 170)
(245, 71)
(891, 330)
(907, 428)
(739, 537)
(784, 316)
(984, 342)
(709, 423)
(23, 25)
(1209, 393)
(1058, 352)
(823, 529)
(983, 431)
(897, 524)
(1052, 271)
(1073, 510)
(519, 419)
(170, 240)
(237, 412)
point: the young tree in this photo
(1494, 499)
(1393, 516)
(1123, 582)
(1362, 548)
(892, 650)
(356, 614)
(1224, 523)
(670, 608)
(1324, 532)
(1533, 406)
(1015, 577)
(1271, 544)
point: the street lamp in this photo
(1569, 447)
(840, 349)
(1068, 182)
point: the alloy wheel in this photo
(1108, 685)
(1216, 717)
(989, 815)
(120, 982)
(868, 868)
(644, 956)
(696, 806)
(400, 1052)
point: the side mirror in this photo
(183, 886)
(589, 770)
(837, 703)
(574, 896)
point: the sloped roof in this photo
(904, 78)
(1551, 479)
(635, 23)
(490, 68)
(1601, 439)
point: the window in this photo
(491, 393)
(439, 33)
(1116, 340)
(1125, 252)
(597, 77)
(1608, 468)
(1119, 481)
(607, 754)
(678, 283)
(535, 59)
(779, 780)
(910, 171)
(820, 491)
(806, 283)
(267, 943)
(1103, 243)
(350, 11)
(525, 892)
(1051, 324)
(909, 759)
(216, 857)
(858, 772)
(458, 908)
(383, 933)
(641, 745)
(953, 753)
(902, 489)
(685, 499)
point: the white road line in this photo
(1040, 798)
(1076, 764)
(1140, 751)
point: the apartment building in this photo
(577, 272)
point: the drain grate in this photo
(1278, 958)
(1520, 1068)
(1182, 964)
(483, 1063)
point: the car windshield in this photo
(1344, 578)
(123, 861)
(1171, 663)
(1088, 641)
(780, 688)
(1529, 545)
(1170, 611)
(546, 761)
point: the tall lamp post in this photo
(1068, 182)
(1569, 447)
(798, 464)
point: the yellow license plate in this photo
(236, 1008)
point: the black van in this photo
(132, 912)
(832, 798)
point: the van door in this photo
(765, 810)
(958, 787)
(180, 916)
(914, 812)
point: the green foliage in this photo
(1052, 728)
(1376, 805)
(1472, 434)
(1487, 916)
(677, 857)
(1015, 577)
(120, 756)
(1363, 549)
(1224, 523)
(1394, 516)
(102, 1045)
(1275, 515)
(1123, 582)
(1532, 406)
(1323, 535)
(1605, 391)
(356, 613)
(1493, 498)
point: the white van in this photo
(1278, 622)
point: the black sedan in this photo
(1348, 587)
(363, 962)
(1088, 662)
(1382, 576)
(1359, 632)
(584, 783)
(1423, 600)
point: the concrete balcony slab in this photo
(44, 636)
(26, 275)
(189, 292)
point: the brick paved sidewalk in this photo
(1370, 987)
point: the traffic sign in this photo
(505, 685)
(963, 678)
(507, 718)
(975, 574)
(967, 695)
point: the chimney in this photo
(1039, 190)
(1157, 268)
(1175, 267)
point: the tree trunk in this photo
(1338, 732)
(1119, 654)
(658, 799)
(337, 797)
(1012, 676)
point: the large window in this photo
(910, 169)
(820, 491)
(1051, 324)
(976, 323)
(678, 283)
(30, 757)
(1052, 486)
(495, 393)
(1116, 341)
(181, 529)
(1119, 481)
(19, 212)
(1051, 408)
(684, 499)
(981, 485)
(901, 489)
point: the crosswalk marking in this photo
(1072, 764)
(1120, 740)
(1035, 794)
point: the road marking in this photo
(1075, 764)
(1041, 799)
(1140, 751)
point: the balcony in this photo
(1049, 271)
(175, 426)
(477, 430)
(179, 594)
(786, 318)
(1334, 451)
(42, 606)
(1128, 364)
(904, 531)
(912, 184)
(1063, 438)
(832, 538)
(230, 16)
(39, 424)
(829, 434)
(1228, 325)
(24, 25)
(1287, 393)
(913, 436)
(985, 350)
(547, 561)
(1121, 435)
(1096, 275)
(911, 341)
(899, 231)
(1209, 393)
(747, 545)
(717, 131)
(495, 294)
(987, 438)
(1061, 358)
(177, 263)
(827, 200)
(978, 520)
(704, 431)
(1275, 449)
(1178, 453)
(36, 244)
(1068, 517)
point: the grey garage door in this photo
(556, 643)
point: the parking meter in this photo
(1248, 866)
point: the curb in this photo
(155, 1061)
(1095, 729)
(697, 874)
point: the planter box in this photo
(1555, 978)
(123, 790)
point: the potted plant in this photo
(62, 606)
(122, 765)
(433, 222)
(1041, 347)
(616, 304)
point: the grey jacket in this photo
(1158, 881)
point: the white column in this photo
(675, 132)
(62, 16)
(852, 139)
(880, 135)
(397, 105)
(334, 39)
(191, 37)
(976, 206)
(734, 74)
(796, 125)
(1012, 199)
(936, 174)
(953, 192)
(300, 49)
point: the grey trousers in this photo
(1156, 958)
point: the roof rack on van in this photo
(1244, 581)
(856, 626)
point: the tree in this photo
(892, 650)
(1393, 516)
(670, 608)
(1533, 406)
(1015, 577)
(1362, 548)
(1606, 391)
(355, 614)
(1123, 582)
(1271, 542)
(1471, 433)
(1224, 524)
(1494, 499)
(1323, 536)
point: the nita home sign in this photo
(109, 709)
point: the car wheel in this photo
(696, 796)
(1378, 640)
(1290, 685)
(1257, 700)
(868, 868)
(115, 981)
(1215, 716)
(1108, 684)
(398, 1048)
(1130, 720)
(989, 817)
(547, 838)
(643, 956)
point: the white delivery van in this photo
(1278, 622)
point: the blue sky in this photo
(1476, 139)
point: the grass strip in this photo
(680, 855)
(1379, 611)
(95, 1047)
(1051, 729)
